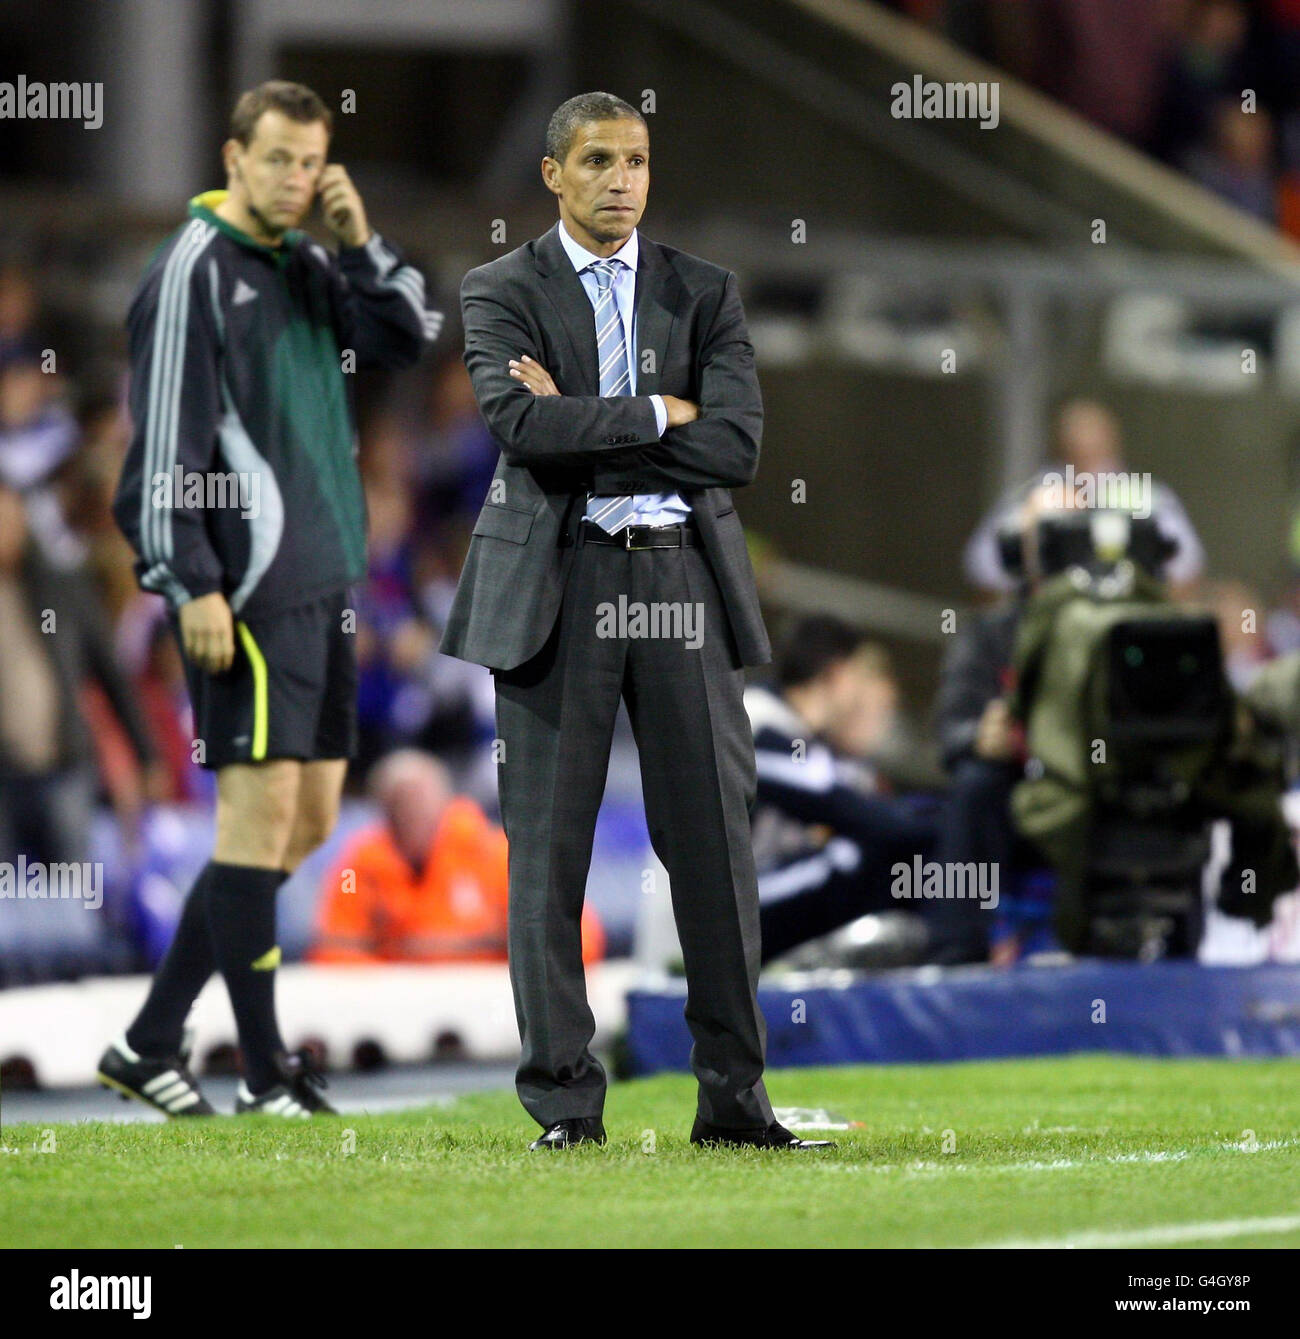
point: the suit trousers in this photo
(679, 673)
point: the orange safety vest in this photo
(375, 908)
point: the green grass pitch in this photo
(1086, 1151)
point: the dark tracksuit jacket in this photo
(812, 788)
(237, 369)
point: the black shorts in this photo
(291, 691)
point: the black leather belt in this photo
(633, 537)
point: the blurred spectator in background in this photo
(38, 432)
(869, 714)
(887, 749)
(824, 843)
(19, 307)
(1243, 630)
(1277, 43)
(394, 642)
(147, 649)
(55, 639)
(983, 752)
(1102, 58)
(1088, 439)
(87, 492)
(38, 436)
(1207, 63)
(423, 490)
(428, 883)
(457, 459)
(1168, 76)
(1236, 159)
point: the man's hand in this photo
(538, 380)
(995, 739)
(533, 375)
(680, 412)
(208, 632)
(340, 202)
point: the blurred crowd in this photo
(427, 460)
(1211, 87)
(94, 717)
(94, 713)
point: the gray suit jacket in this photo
(554, 449)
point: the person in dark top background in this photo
(824, 839)
(56, 637)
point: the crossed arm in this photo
(714, 443)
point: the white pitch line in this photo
(1168, 1234)
(1039, 1165)
(985, 1168)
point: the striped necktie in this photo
(615, 379)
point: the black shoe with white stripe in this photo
(164, 1083)
(296, 1097)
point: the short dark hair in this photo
(814, 644)
(568, 116)
(296, 101)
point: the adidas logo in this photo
(170, 1091)
(278, 1102)
(243, 293)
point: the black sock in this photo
(183, 972)
(241, 917)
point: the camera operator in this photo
(1089, 446)
(1136, 744)
(982, 750)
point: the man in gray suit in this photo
(608, 562)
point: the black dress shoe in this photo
(567, 1133)
(770, 1136)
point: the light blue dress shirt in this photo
(651, 508)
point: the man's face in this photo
(846, 688)
(863, 710)
(278, 171)
(414, 804)
(603, 183)
(1089, 438)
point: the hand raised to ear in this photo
(340, 203)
